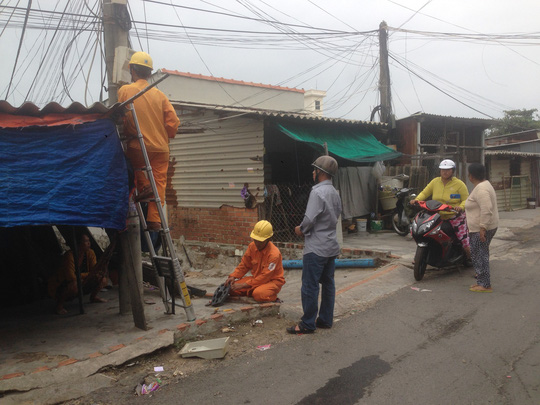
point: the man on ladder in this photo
(148, 128)
(158, 122)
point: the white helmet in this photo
(447, 164)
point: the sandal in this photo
(300, 331)
(479, 288)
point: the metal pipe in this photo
(340, 263)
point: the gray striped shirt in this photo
(320, 220)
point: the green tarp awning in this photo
(352, 144)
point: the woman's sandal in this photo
(479, 288)
(301, 330)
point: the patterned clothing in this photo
(480, 257)
(459, 223)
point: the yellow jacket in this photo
(157, 118)
(453, 193)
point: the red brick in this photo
(267, 305)
(246, 309)
(67, 362)
(12, 375)
(40, 369)
(162, 331)
(94, 355)
(115, 348)
(216, 317)
(183, 326)
(200, 322)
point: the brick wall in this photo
(227, 225)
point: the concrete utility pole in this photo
(116, 26)
(384, 76)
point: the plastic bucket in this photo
(531, 203)
(388, 203)
(361, 225)
(376, 225)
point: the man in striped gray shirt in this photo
(320, 249)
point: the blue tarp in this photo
(63, 175)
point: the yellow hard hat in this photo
(142, 59)
(262, 231)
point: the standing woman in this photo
(482, 220)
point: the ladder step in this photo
(164, 258)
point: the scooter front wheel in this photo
(401, 230)
(420, 262)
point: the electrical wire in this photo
(19, 47)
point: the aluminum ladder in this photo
(167, 266)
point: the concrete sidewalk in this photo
(42, 353)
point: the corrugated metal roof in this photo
(482, 121)
(30, 109)
(297, 116)
(510, 153)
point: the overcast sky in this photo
(484, 75)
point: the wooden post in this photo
(77, 271)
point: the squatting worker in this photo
(263, 260)
(320, 249)
(158, 122)
(448, 189)
(482, 220)
(62, 285)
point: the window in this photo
(317, 105)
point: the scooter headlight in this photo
(414, 227)
(422, 229)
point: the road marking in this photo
(372, 277)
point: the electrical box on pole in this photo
(116, 26)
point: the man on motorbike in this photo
(447, 189)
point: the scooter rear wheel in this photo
(401, 230)
(420, 263)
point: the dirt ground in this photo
(245, 340)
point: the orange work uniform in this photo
(66, 272)
(158, 122)
(266, 269)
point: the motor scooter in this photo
(437, 243)
(403, 214)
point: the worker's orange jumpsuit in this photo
(266, 269)
(158, 122)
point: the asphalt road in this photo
(442, 346)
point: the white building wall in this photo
(203, 91)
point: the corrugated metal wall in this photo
(512, 193)
(211, 167)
